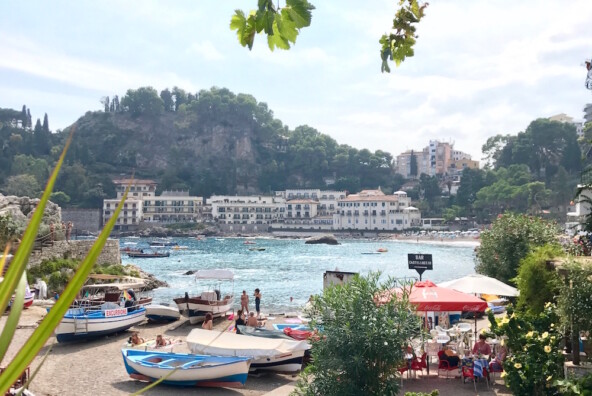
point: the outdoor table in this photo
(442, 339)
(480, 365)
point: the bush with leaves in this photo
(511, 238)
(362, 342)
(538, 284)
(575, 386)
(575, 300)
(535, 360)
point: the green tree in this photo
(167, 100)
(537, 282)
(510, 239)
(22, 186)
(37, 167)
(144, 100)
(60, 198)
(179, 96)
(430, 188)
(362, 342)
(45, 123)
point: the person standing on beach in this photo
(68, 230)
(245, 302)
(258, 302)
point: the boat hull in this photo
(285, 363)
(199, 305)
(79, 324)
(218, 371)
(162, 313)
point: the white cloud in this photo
(206, 50)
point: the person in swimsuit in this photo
(258, 302)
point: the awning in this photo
(480, 284)
(222, 274)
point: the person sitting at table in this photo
(409, 355)
(481, 347)
(451, 356)
(497, 362)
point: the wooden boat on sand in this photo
(186, 370)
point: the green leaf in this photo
(21, 257)
(238, 22)
(34, 344)
(286, 26)
(13, 318)
(277, 40)
(300, 12)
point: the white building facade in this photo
(229, 209)
(373, 210)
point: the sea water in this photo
(290, 268)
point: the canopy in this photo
(222, 274)
(480, 284)
(213, 342)
(426, 296)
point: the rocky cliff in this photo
(20, 210)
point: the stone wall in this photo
(77, 250)
(84, 220)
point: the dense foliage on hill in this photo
(218, 142)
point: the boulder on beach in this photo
(327, 239)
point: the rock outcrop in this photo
(149, 279)
(20, 210)
(327, 239)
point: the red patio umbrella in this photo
(426, 296)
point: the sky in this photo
(480, 68)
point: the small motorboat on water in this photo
(162, 313)
(257, 249)
(162, 243)
(186, 370)
(370, 252)
(247, 242)
(178, 247)
(382, 250)
(144, 254)
(269, 354)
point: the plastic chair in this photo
(469, 372)
(402, 371)
(495, 367)
(432, 349)
(419, 364)
(441, 330)
(443, 364)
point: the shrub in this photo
(362, 342)
(535, 360)
(511, 238)
(538, 284)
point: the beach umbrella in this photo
(480, 284)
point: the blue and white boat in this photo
(191, 370)
(96, 321)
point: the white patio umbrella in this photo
(480, 284)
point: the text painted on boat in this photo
(115, 312)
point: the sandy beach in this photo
(96, 367)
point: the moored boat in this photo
(162, 313)
(143, 254)
(269, 354)
(185, 369)
(91, 322)
(208, 301)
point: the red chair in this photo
(419, 364)
(401, 371)
(443, 364)
(468, 372)
(495, 367)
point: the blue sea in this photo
(290, 268)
